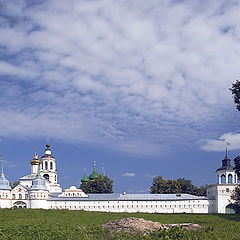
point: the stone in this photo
(141, 226)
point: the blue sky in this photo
(140, 87)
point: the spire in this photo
(2, 170)
(227, 144)
(4, 183)
(2, 165)
(103, 172)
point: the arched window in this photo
(230, 178)
(51, 165)
(46, 176)
(42, 165)
(223, 178)
(46, 165)
(20, 196)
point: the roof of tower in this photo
(48, 152)
(35, 160)
(4, 183)
(94, 174)
(84, 179)
(226, 164)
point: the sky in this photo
(142, 87)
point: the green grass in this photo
(63, 224)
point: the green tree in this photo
(235, 89)
(237, 165)
(236, 195)
(180, 185)
(100, 184)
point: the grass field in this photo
(63, 224)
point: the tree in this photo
(100, 184)
(180, 185)
(236, 161)
(236, 195)
(236, 93)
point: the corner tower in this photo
(226, 174)
(48, 170)
(222, 191)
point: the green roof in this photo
(84, 179)
(93, 175)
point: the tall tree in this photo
(180, 185)
(235, 89)
(100, 184)
(236, 195)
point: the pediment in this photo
(19, 188)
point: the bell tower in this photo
(48, 169)
(226, 174)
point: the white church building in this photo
(40, 189)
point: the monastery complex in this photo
(40, 189)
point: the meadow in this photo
(64, 224)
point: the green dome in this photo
(84, 179)
(93, 175)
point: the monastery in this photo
(40, 189)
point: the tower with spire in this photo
(35, 162)
(5, 190)
(48, 169)
(226, 182)
(226, 174)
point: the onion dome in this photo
(84, 179)
(4, 183)
(48, 152)
(93, 175)
(39, 183)
(35, 160)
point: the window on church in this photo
(46, 165)
(223, 178)
(51, 165)
(20, 196)
(230, 178)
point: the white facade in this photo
(40, 189)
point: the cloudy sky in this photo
(139, 86)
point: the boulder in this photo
(142, 226)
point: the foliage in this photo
(237, 165)
(236, 195)
(75, 225)
(236, 93)
(100, 184)
(180, 185)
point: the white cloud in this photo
(132, 75)
(128, 174)
(149, 175)
(220, 143)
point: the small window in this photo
(51, 165)
(46, 165)
(20, 196)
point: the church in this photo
(40, 190)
